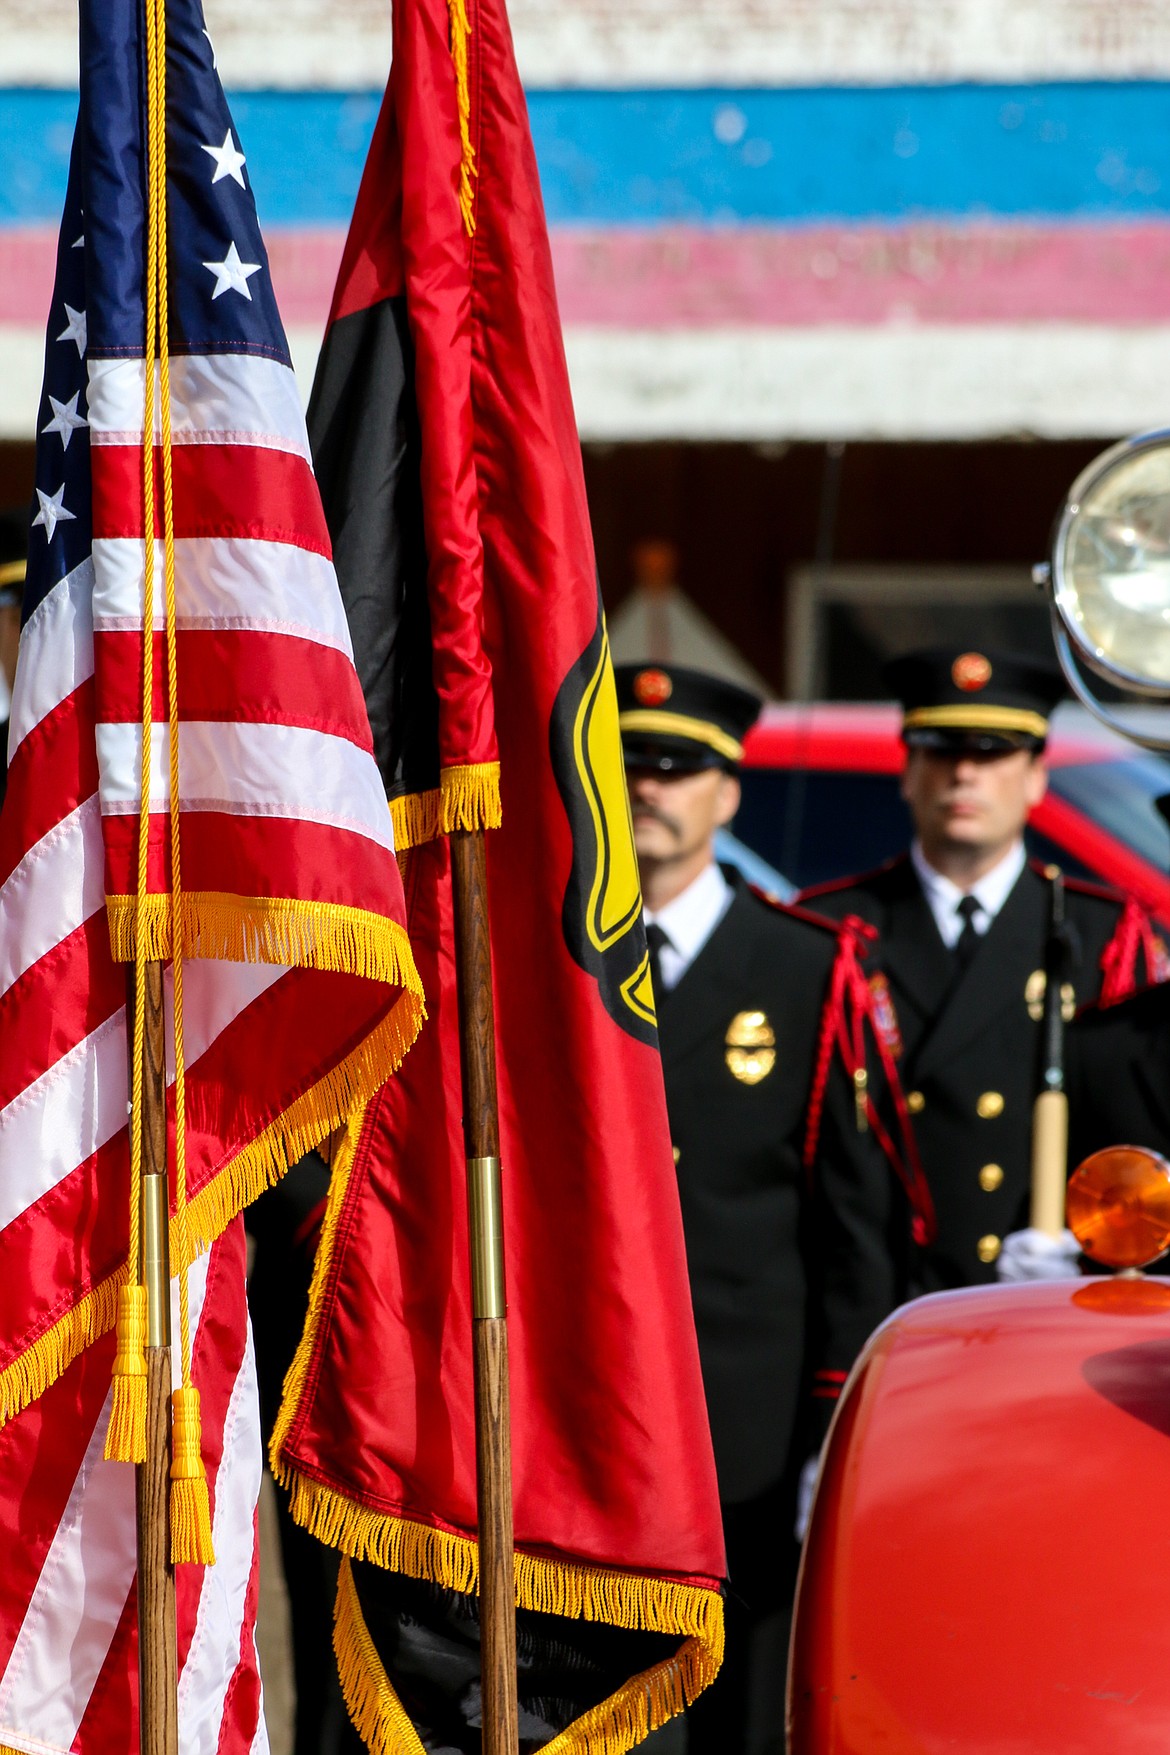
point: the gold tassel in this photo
(190, 1507)
(126, 1435)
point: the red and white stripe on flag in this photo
(280, 794)
(287, 853)
(68, 1633)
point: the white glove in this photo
(804, 1496)
(1034, 1255)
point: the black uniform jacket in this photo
(969, 1047)
(1118, 1076)
(789, 1273)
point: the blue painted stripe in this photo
(796, 156)
(783, 157)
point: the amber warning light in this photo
(1119, 1206)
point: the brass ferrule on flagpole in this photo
(156, 1273)
(486, 1226)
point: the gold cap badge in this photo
(652, 687)
(971, 671)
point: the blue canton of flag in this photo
(62, 526)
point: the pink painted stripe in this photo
(923, 273)
(695, 277)
(27, 260)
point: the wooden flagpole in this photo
(158, 1711)
(493, 1437)
(1050, 1110)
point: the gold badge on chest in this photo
(1034, 997)
(749, 1047)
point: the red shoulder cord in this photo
(1134, 932)
(848, 1007)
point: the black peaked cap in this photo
(975, 698)
(679, 720)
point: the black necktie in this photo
(967, 942)
(655, 939)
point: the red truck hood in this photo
(988, 1567)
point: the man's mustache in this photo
(657, 816)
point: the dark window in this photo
(1120, 797)
(814, 825)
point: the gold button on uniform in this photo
(915, 1102)
(988, 1247)
(990, 1177)
(989, 1105)
(677, 1153)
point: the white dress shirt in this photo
(991, 892)
(689, 921)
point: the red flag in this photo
(450, 466)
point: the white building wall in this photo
(345, 43)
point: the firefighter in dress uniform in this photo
(963, 918)
(781, 1190)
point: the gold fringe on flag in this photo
(643, 1704)
(377, 1713)
(444, 1557)
(268, 929)
(330, 1104)
(308, 1120)
(551, 1587)
(466, 797)
(47, 1358)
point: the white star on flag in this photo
(66, 419)
(228, 159)
(52, 512)
(231, 275)
(76, 330)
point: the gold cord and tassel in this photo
(190, 1506)
(126, 1439)
(190, 1510)
(126, 1433)
(460, 32)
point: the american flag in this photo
(287, 865)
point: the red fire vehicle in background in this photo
(985, 1568)
(821, 799)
